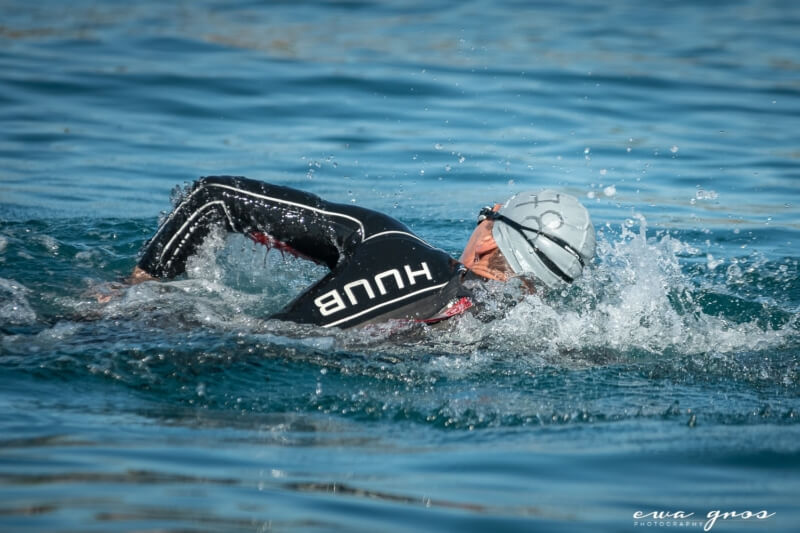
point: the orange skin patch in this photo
(138, 276)
(480, 253)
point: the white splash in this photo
(51, 244)
(702, 194)
(635, 298)
(14, 305)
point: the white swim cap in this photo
(544, 233)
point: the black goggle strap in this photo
(488, 213)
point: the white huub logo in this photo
(332, 302)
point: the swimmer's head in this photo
(546, 234)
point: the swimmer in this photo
(379, 269)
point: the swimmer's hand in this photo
(108, 291)
(139, 276)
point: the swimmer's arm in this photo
(286, 218)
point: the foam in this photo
(14, 306)
(636, 298)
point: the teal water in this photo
(665, 380)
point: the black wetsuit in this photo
(379, 269)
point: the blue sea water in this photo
(665, 380)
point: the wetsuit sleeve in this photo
(297, 221)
